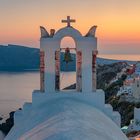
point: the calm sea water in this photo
(16, 88)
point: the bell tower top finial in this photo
(68, 21)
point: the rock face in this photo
(66, 119)
(5, 127)
(1, 118)
(106, 73)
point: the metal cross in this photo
(68, 21)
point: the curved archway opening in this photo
(67, 64)
(67, 42)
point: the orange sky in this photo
(118, 21)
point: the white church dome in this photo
(66, 119)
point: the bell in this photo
(67, 56)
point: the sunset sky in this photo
(118, 21)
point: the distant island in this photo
(18, 58)
(22, 58)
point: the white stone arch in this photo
(68, 32)
(85, 68)
(77, 38)
(71, 41)
(68, 42)
(71, 32)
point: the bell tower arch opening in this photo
(67, 63)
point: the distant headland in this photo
(22, 58)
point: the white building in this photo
(125, 90)
(131, 86)
(135, 123)
(67, 115)
(137, 70)
(136, 89)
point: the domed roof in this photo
(66, 119)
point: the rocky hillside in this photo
(104, 75)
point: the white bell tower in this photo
(86, 51)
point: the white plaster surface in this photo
(1, 136)
(65, 117)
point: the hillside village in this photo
(123, 92)
(130, 91)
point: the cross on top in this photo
(68, 21)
